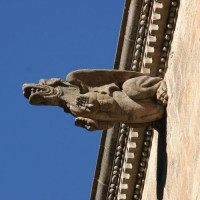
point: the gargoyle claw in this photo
(161, 95)
(83, 103)
(89, 124)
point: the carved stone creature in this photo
(100, 98)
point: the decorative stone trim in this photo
(149, 55)
(117, 172)
(142, 31)
(143, 164)
(151, 50)
(171, 23)
(130, 167)
(118, 161)
(155, 36)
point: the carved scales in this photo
(144, 45)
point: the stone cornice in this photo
(144, 45)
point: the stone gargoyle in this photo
(100, 98)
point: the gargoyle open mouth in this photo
(40, 94)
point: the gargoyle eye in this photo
(42, 82)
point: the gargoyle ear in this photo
(42, 82)
(55, 82)
(50, 82)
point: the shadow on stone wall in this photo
(162, 160)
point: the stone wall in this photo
(178, 175)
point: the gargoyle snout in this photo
(41, 94)
(31, 89)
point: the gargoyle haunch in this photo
(100, 98)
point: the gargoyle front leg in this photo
(89, 124)
(93, 101)
(86, 104)
(92, 125)
(161, 95)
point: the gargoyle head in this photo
(47, 92)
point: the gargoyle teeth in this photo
(36, 90)
(33, 90)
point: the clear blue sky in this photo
(43, 156)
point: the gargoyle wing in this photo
(86, 79)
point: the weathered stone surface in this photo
(183, 112)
